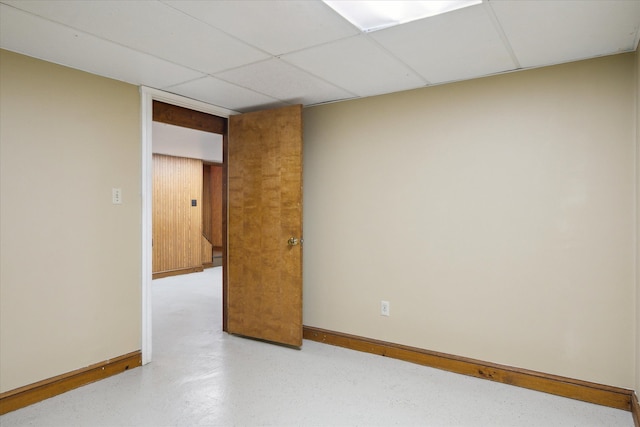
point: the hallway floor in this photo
(202, 377)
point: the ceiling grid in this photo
(255, 54)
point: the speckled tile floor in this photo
(203, 377)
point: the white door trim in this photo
(147, 96)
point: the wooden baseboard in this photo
(168, 273)
(206, 265)
(600, 394)
(635, 409)
(33, 393)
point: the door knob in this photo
(293, 241)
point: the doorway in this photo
(195, 110)
(266, 155)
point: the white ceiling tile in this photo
(25, 33)
(322, 57)
(365, 68)
(453, 46)
(551, 32)
(220, 93)
(276, 26)
(284, 82)
(150, 27)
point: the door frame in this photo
(147, 96)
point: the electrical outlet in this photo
(384, 308)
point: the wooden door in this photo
(264, 278)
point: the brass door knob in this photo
(293, 241)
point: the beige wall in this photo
(495, 215)
(71, 261)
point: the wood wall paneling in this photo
(207, 252)
(212, 204)
(177, 225)
(216, 205)
(206, 202)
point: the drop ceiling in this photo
(250, 55)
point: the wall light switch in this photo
(116, 196)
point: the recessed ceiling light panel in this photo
(376, 15)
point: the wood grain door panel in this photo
(264, 297)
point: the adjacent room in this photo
(187, 197)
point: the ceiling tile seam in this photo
(269, 54)
(281, 55)
(424, 79)
(241, 66)
(272, 54)
(340, 17)
(532, 67)
(366, 36)
(325, 43)
(317, 77)
(75, 67)
(238, 67)
(576, 59)
(213, 76)
(497, 73)
(185, 82)
(225, 81)
(203, 72)
(503, 36)
(86, 69)
(277, 58)
(333, 101)
(95, 36)
(234, 37)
